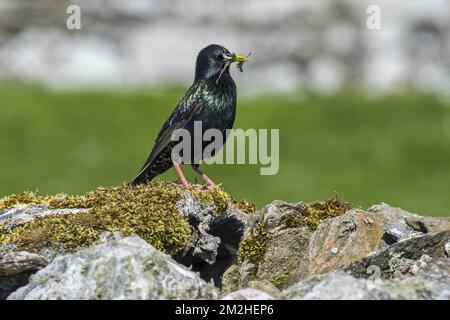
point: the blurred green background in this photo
(368, 149)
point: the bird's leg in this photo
(183, 179)
(210, 183)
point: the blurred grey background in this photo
(362, 113)
(322, 45)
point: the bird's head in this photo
(214, 60)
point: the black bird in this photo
(211, 99)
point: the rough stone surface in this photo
(16, 268)
(266, 286)
(296, 253)
(433, 282)
(398, 230)
(127, 268)
(216, 237)
(212, 249)
(334, 286)
(16, 262)
(248, 294)
(379, 253)
(24, 212)
(424, 224)
(403, 255)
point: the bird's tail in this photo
(148, 173)
(141, 178)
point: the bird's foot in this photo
(204, 187)
(211, 186)
(186, 185)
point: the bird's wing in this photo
(188, 107)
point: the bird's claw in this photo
(213, 186)
(186, 185)
(204, 187)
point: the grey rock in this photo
(16, 268)
(381, 253)
(248, 294)
(398, 230)
(420, 223)
(402, 255)
(336, 285)
(265, 286)
(379, 236)
(200, 217)
(348, 225)
(9, 284)
(213, 246)
(127, 268)
(24, 212)
(432, 282)
(16, 262)
(216, 237)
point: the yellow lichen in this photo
(244, 206)
(13, 200)
(254, 246)
(315, 212)
(282, 276)
(147, 210)
(214, 195)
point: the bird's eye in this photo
(218, 57)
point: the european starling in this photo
(211, 99)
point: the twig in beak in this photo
(223, 70)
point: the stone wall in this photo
(323, 45)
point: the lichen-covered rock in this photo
(127, 268)
(424, 224)
(201, 228)
(286, 243)
(398, 230)
(268, 251)
(265, 286)
(23, 213)
(405, 257)
(16, 262)
(214, 222)
(228, 227)
(16, 268)
(248, 294)
(164, 214)
(432, 282)
(336, 285)
(147, 210)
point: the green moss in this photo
(281, 278)
(13, 200)
(230, 280)
(215, 195)
(146, 210)
(314, 212)
(254, 246)
(244, 206)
